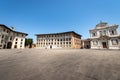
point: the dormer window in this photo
(93, 34)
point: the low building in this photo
(105, 36)
(59, 40)
(10, 38)
(86, 44)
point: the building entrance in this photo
(9, 45)
(104, 44)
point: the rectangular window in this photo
(16, 39)
(93, 34)
(104, 32)
(66, 39)
(69, 39)
(2, 36)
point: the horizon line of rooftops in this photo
(101, 25)
(12, 29)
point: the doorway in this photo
(104, 44)
(4, 47)
(9, 45)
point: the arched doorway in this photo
(9, 45)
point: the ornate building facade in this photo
(10, 38)
(59, 40)
(105, 36)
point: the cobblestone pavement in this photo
(59, 64)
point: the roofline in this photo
(5, 26)
(12, 30)
(20, 32)
(59, 33)
(109, 26)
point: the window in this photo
(7, 31)
(15, 42)
(95, 42)
(1, 41)
(114, 42)
(112, 32)
(2, 36)
(66, 39)
(11, 38)
(16, 34)
(22, 35)
(93, 34)
(100, 33)
(104, 32)
(3, 30)
(0, 45)
(22, 40)
(66, 42)
(69, 42)
(16, 39)
(69, 39)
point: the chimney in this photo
(12, 28)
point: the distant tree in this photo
(28, 42)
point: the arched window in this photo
(95, 42)
(112, 31)
(114, 42)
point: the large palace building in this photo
(10, 38)
(105, 36)
(59, 40)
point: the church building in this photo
(105, 36)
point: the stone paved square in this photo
(59, 64)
